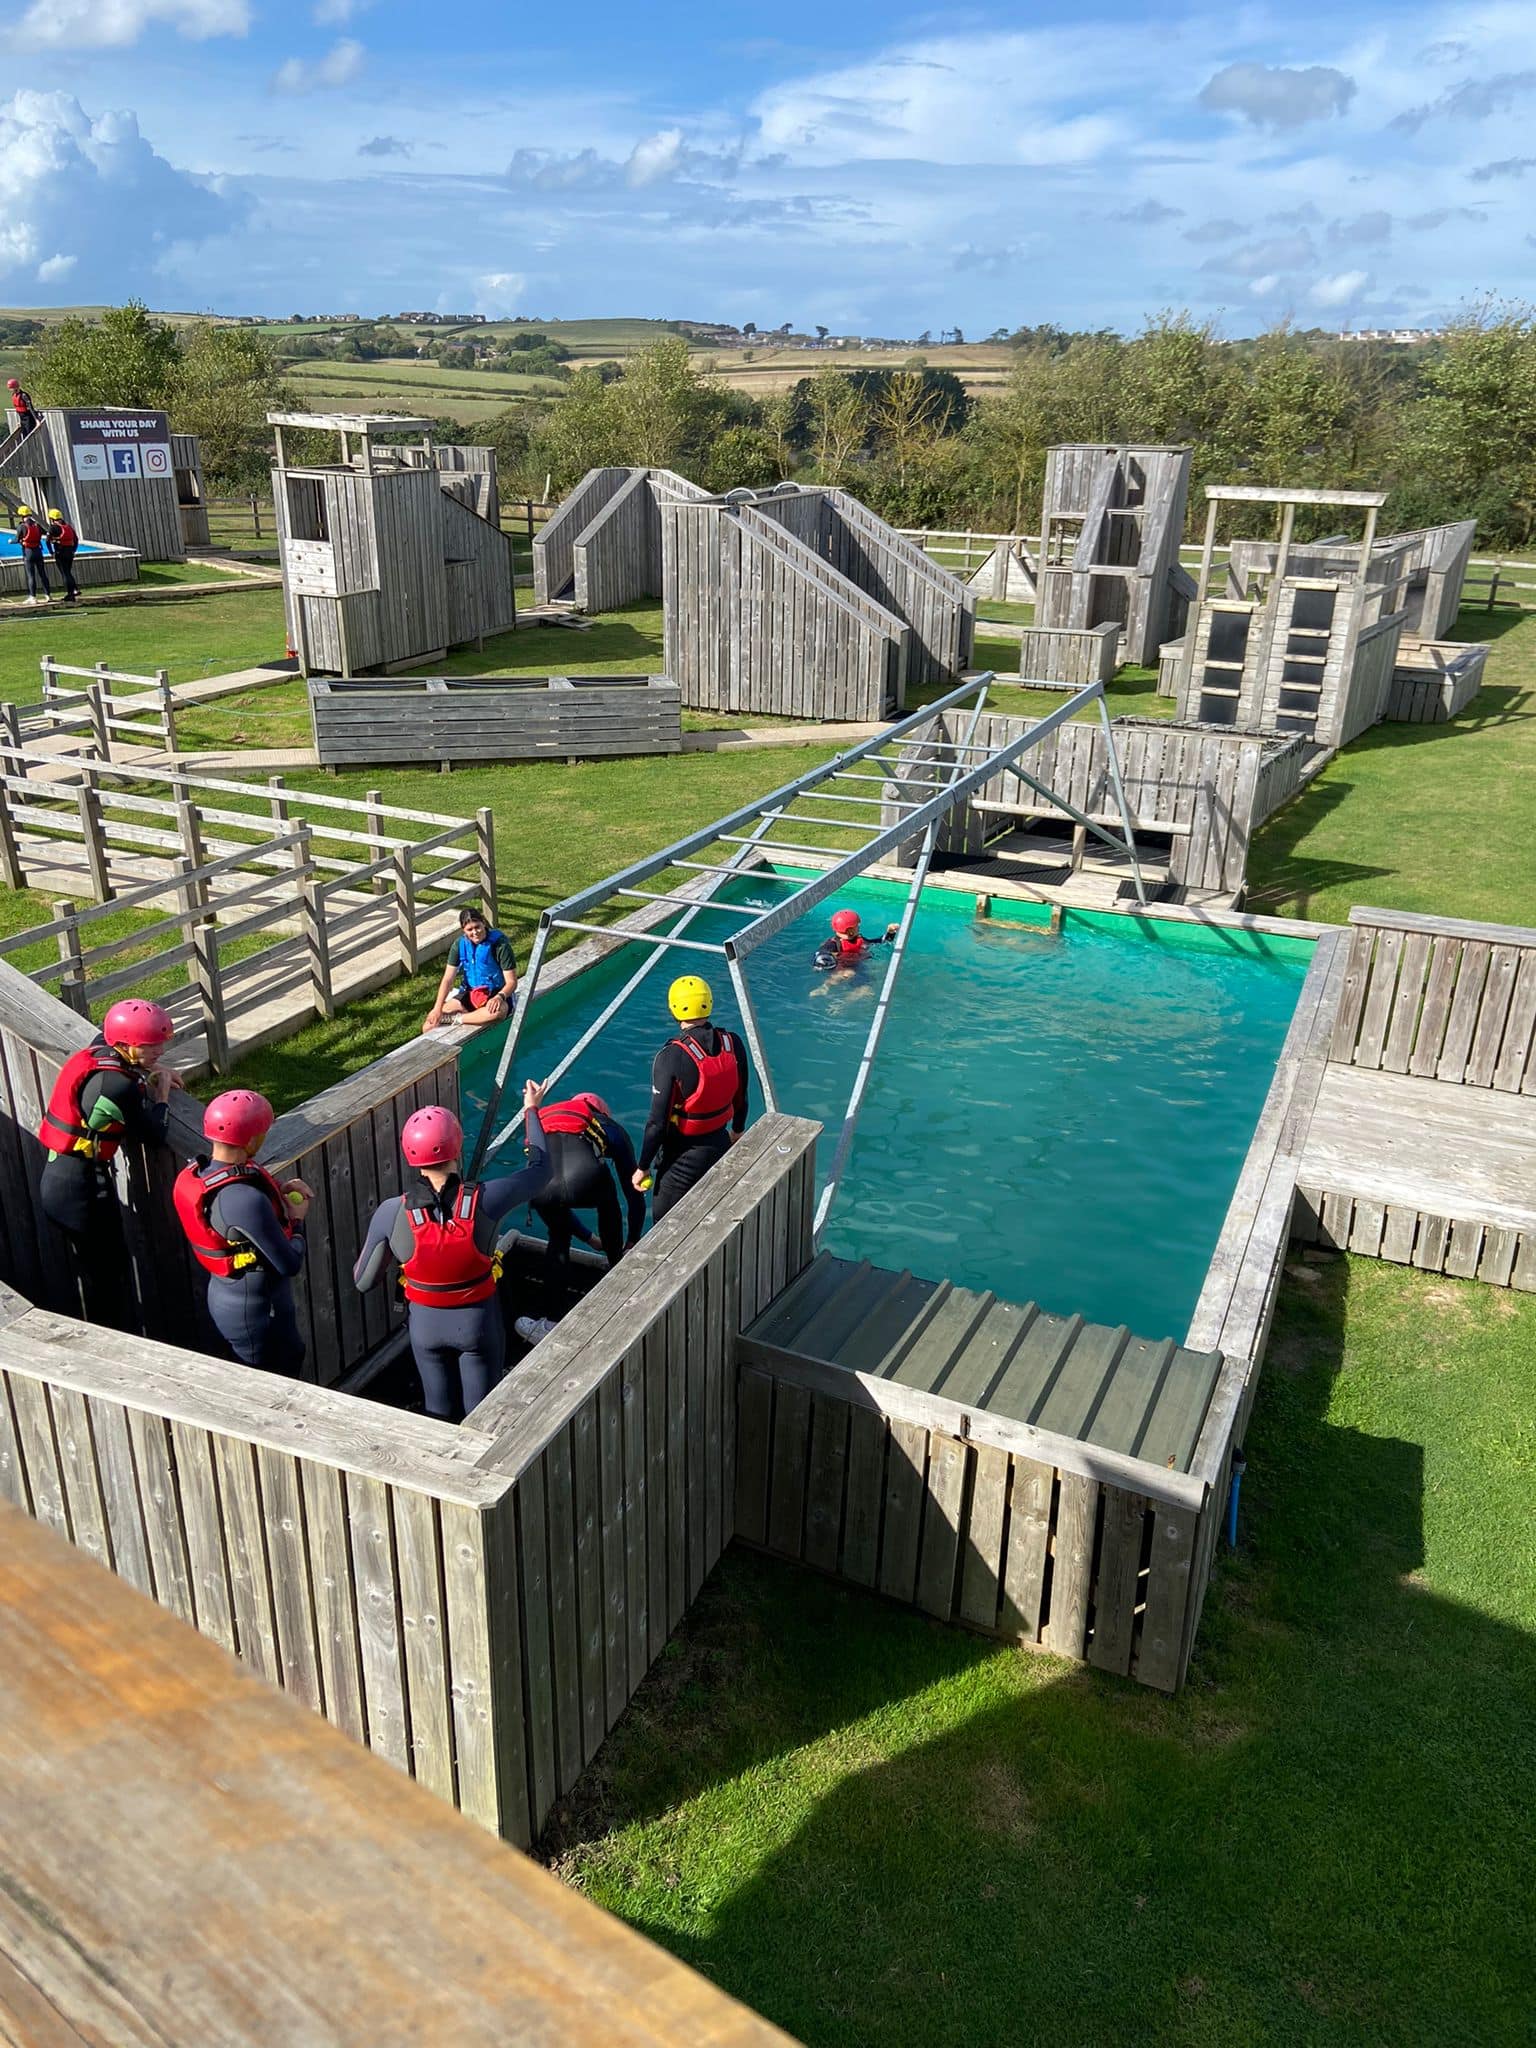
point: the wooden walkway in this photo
(1101, 1386)
(188, 1858)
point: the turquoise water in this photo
(1057, 1118)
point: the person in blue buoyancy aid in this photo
(246, 1231)
(441, 1231)
(480, 979)
(698, 1098)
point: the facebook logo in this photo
(125, 461)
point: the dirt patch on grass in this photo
(1001, 1803)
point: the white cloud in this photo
(339, 66)
(656, 157)
(1263, 286)
(93, 185)
(337, 13)
(500, 291)
(114, 24)
(1337, 291)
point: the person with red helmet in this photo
(699, 1082)
(591, 1160)
(246, 1232)
(110, 1093)
(441, 1232)
(22, 406)
(848, 945)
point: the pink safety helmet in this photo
(845, 921)
(238, 1117)
(594, 1102)
(11, 384)
(134, 1022)
(432, 1137)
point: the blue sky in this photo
(875, 171)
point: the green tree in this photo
(127, 357)
(839, 416)
(1469, 442)
(225, 383)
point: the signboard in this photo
(110, 446)
(311, 568)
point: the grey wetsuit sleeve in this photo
(243, 1213)
(376, 1251)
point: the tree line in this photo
(1448, 430)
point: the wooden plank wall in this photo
(464, 718)
(1434, 680)
(554, 562)
(616, 558)
(479, 558)
(939, 608)
(1007, 1530)
(130, 512)
(1199, 784)
(755, 620)
(1050, 656)
(349, 1554)
(620, 1434)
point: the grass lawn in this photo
(201, 637)
(876, 1829)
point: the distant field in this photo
(465, 395)
(980, 366)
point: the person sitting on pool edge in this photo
(480, 980)
(848, 945)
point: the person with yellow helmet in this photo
(699, 1084)
(63, 541)
(30, 538)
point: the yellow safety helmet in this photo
(689, 999)
(23, 511)
(54, 512)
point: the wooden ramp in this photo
(188, 1858)
(1098, 1385)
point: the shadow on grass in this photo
(1325, 1838)
(1277, 873)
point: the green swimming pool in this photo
(1057, 1117)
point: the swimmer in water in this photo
(847, 946)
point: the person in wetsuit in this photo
(585, 1140)
(847, 945)
(110, 1093)
(246, 1231)
(698, 1098)
(441, 1232)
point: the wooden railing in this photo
(272, 863)
(1440, 998)
(107, 713)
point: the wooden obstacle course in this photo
(1207, 791)
(493, 718)
(1422, 1147)
(602, 548)
(130, 1745)
(1056, 657)
(387, 557)
(1111, 524)
(126, 483)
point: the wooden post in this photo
(1208, 548)
(317, 942)
(529, 503)
(279, 804)
(167, 708)
(374, 823)
(11, 872)
(72, 985)
(1283, 558)
(202, 933)
(485, 843)
(100, 696)
(405, 908)
(10, 741)
(88, 802)
(255, 515)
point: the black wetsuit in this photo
(79, 1194)
(253, 1310)
(683, 1161)
(459, 1352)
(579, 1178)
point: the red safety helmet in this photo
(238, 1117)
(134, 1022)
(596, 1102)
(432, 1137)
(11, 384)
(845, 921)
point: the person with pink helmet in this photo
(246, 1231)
(110, 1093)
(441, 1232)
(848, 944)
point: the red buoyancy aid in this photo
(31, 534)
(447, 1269)
(708, 1108)
(64, 1128)
(193, 1194)
(576, 1118)
(850, 949)
(66, 537)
